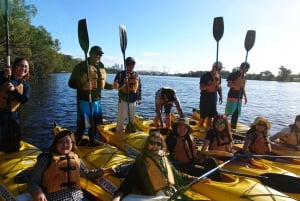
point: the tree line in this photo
(37, 45)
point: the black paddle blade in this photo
(234, 118)
(250, 39)
(83, 35)
(218, 28)
(280, 182)
(123, 38)
(130, 128)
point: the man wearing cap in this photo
(165, 97)
(130, 93)
(89, 83)
(210, 83)
(236, 81)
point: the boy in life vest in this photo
(152, 173)
(288, 137)
(129, 86)
(14, 91)
(257, 138)
(165, 97)
(219, 136)
(86, 85)
(184, 154)
(56, 175)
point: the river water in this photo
(52, 100)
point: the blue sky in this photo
(176, 35)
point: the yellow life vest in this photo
(63, 172)
(95, 77)
(159, 180)
(133, 83)
(4, 99)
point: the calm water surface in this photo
(52, 100)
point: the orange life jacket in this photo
(220, 143)
(4, 99)
(63, 172)
(259, 145)
(133, 83)
(96, 77)
(184, 152)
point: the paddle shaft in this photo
(248, 43)
(201, 177)
(84, 43)
(123, 42)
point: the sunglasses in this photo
(64, 143)
(219, 124)
(261, 124)
(155, 143)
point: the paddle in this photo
(280, 182)
(218, 30)
(249, 42)
(181, 190)
(13, 129)
(265, 155)
(130, 128)
(83, 38)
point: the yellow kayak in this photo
(131, 143)
(14, 169)
(143, 124)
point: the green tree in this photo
(284, 74)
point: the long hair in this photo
(227, 127)
(154, 135)
(60, 135)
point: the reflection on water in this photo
(52, 100)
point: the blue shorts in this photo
(231, 107)
(84, 112)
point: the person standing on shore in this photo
(79, 81)
(130, 93)
(14, 91)
(236, 81)
(165, 97)
(209, 85)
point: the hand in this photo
(109, 171)
(10, 87)
(220, 99)
(7, 72)
(139, 102)
(39, 196)
(115, 84)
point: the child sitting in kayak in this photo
(289, 137)
(56, 175)
(219, 137)
(184, 154)
(257, 138)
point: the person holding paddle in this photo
(152, 172)
(184, 154)
(14, 91)
(209, 85)
(236, 81)
(79, 80)
(128, 84)
(165, 97)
